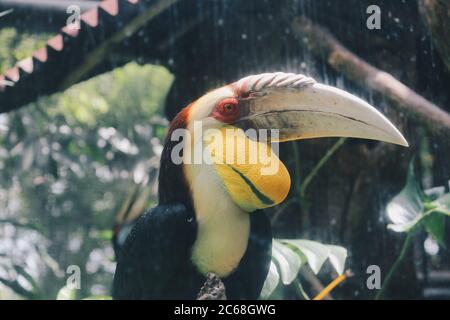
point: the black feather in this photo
(155, 262)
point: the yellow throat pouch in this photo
(250, 170)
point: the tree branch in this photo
(314, 282)
(323, 44)
(213, 289)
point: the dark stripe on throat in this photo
(262, 197)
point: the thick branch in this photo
(324, 45)
(314, 282)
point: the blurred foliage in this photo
(17, 46)
(67, 163)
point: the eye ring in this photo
(227, 110)
(228, 107)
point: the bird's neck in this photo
(223, 227)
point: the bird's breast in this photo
(223, 227)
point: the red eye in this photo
(227, 110)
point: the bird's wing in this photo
(155, 254)
(133, 207)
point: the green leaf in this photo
(288, 261)
(316, 253)
(412, 206)
(337, 256)
(405, 210)
(106, 234)
(65, 293)
(405, 227)
(442, 204)
(435, 226)
(272, 280)
(288, 256)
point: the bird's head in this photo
(293, 107)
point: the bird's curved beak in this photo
(313, 110)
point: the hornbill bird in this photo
(209, 217)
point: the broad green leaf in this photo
(337, 256)
(443, 204)
(65, 293)
(272, 280)
(288, 256)
(405, 227)
(405, 210)
(435, 226)
(412, 206)
(316, 253)
(288, 261)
